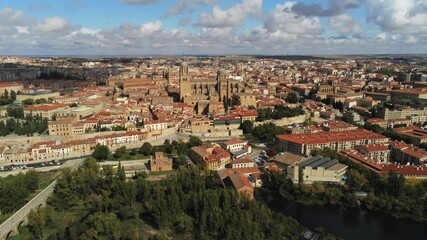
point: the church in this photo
(192, 91)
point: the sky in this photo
(212, 27)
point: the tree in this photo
(235, 100)
(37, 222)
(106, 224)
(13, 95)
(28, 101)
(292, 98)
(6, 94)
(247, 126)
(146, 149)
(194, 141)
(3, 130)
(395, 183)
(119, 152)
(100, 152)
(355, 180)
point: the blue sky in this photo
(145, 27)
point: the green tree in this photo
(292, 98)
(395, 183)
(235, 100)
(28, 101)
(106, 224)
(194, 141)
(100, 152)
(146, 149)
(6, 94)
(13, 95)
(355, 180)
(3, 129)
(37, 222)
(119, 152)
(247, 126)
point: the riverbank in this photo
(345, 222)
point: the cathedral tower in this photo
(221, 78)
(184, 81)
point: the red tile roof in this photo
(326, 137)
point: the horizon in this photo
(212, 27)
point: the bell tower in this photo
(221, 78)
(184, 81)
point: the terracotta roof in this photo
(235, 141)
(326, 137)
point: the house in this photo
(378, 152)
(237, 181)
(245, 162)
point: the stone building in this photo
(160, 163)
(194, 90)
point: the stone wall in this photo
(284, 121)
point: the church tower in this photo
(166, 75)
(222, 83)
(184, 81)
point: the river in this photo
(350, 223)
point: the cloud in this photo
(53, 24)
(345, 23)
(409, 16)
(335, 7)
(280, 30)
(186, 6)
(184, 21)
(232, 17)
(39, 6)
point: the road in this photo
(74, 163)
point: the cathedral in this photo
(220, 89)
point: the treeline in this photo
(15, 190)
(7, 98)
(59, 75)
(265, 132)
(99, 203)
(27, 126)
(176, 148)
(279, 112)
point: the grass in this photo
(24, 234)
(4, 217)
(127, 157)
(173, 171)
(251, 138)
(47, 178)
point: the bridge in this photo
(11, 225)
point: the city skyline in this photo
(212, 27)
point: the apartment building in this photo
(404, 153)
(415, 132)
(45, 110)
(211, 155)
(378, 152)
(305, 143)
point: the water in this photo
(351, 223)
